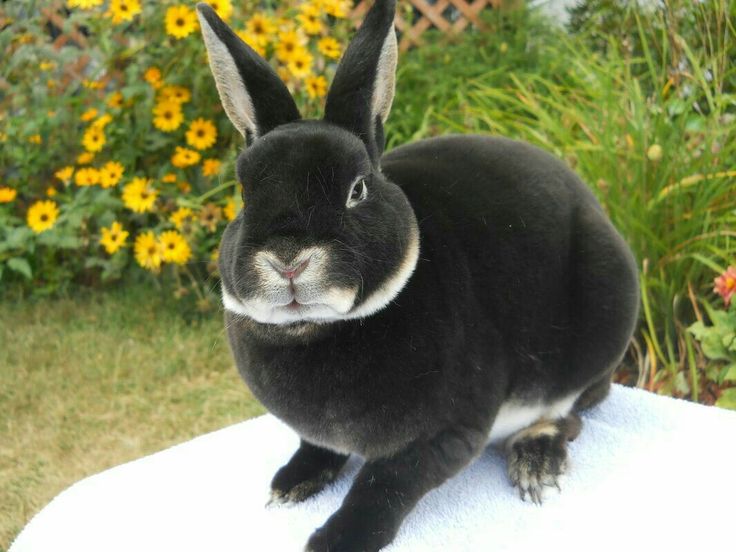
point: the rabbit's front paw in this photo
(350, 532)
(285, 489)
(307, 473)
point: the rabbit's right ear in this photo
(254, 97)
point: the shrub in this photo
(116, 158)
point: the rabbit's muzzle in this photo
(285, 291)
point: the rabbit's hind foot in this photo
(537, 456)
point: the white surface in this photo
(647, 472)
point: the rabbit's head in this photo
(323, 235)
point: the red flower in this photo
(726, 284)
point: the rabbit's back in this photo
(512, 228)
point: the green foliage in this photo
(71, 71)
(718, 342)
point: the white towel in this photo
(646, 471)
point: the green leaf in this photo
(728, 399)
(20, 265)
(730, 372)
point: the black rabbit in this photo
(411, 307)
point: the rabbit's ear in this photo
(254, 97)
(363, 88)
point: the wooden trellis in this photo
(414, 17)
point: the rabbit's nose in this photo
(291, 271)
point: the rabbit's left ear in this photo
(362, 91)
(254, 97)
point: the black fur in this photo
(523, 290)
(349, 99)
(272, 102)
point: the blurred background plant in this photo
(116, 158)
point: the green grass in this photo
(99, 379)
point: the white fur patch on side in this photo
(233, 93)
(514, 416)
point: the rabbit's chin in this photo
(335, 306)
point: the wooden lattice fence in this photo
(415, 17)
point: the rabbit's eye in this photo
(358, 192)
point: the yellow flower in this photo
(167, 116)
(85, 158)
(209, 216)
(300, 64)
(329, 47)
(83, 4)
(7, 194)
(152, 76)
(339, 9)
(253, 41)
(88, 115)
(178, 94)
(51, 191)
(210, 167)
(202, 134)
(35, 139)
(115, 100)
(184, 157)
(181, 21)
(261, 28)
(110, 174)
(92, 85)
(147, 250)
(229, 209)
(310, 19)
(102, 121)
(224, 8)
(179, 217)
(283, 74)
(113, 238)
(46, 65)
(64, 174)
(289, 43)
(139, 196)
(175, 248)
(87, 177)
(316, 86)
(168, 178)
(42, 215)
(124, 10)
(93, 139)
